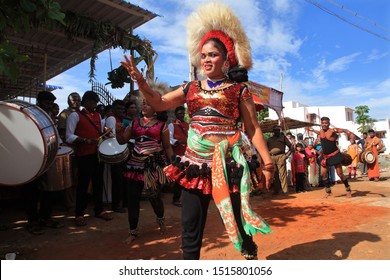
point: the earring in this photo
(225, 70)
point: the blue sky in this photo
(324, 60)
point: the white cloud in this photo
(278, 46)
(376, 55)
(281, 6)
(323, 68)
(342, 63)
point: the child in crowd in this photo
(313, 168)
(299, 159)
(353, 151)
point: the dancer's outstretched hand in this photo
(130, 66)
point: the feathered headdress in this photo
(216, 20)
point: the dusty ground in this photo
(305, 227)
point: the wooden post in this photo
(44, 70)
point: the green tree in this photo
(262, 114)
(363, 119)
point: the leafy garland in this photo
(30, 14)
(22, 16)
(105, 33)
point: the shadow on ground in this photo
(336, 248)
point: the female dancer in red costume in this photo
(214, 165)
(144, 173)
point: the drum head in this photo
(64, 150)
(369, 157)
(111, 147)
(22, 151)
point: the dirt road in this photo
(305, 227)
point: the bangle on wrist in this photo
(269, 167)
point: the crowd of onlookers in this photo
(86, 123)
(298, 160)
(83, 126)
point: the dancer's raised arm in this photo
(159, 103)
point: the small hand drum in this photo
(347, 159)
(369, 157)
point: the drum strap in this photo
(91, 122)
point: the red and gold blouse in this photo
(214, 111)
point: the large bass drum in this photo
(28, 142)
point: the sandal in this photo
(80, 221)
(104, 216)
(35, 229)
(51, 224)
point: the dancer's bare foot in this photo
(349, 194)
(161, 225)
(163, 229)
(327, 195)
(130, 239)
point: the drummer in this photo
(74, 103)
(83, 129)
(373, 144)
(114, 118)
(38, 202)
(331, 154)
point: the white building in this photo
(340, 117)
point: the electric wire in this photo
(343, 7)
(318, 5)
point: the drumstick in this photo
(105, 133)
